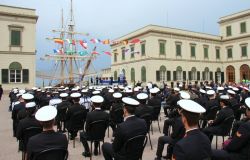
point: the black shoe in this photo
(157, 158)
(86, 154)
(96, 152)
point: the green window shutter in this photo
(5, 76)
(211, 76)
(143, 74)
(115, 57)
(132, 74)
(206, 52)
(192, 51)
(244, 51)
(157, 76)
(123, 53)
(115, 75)
(132, 54)
(174, 76)
(217, 53)
(162, 48)
(190, 75)
(168, 75)
(184, 75)
(229, 30)
(203, 76)
(15, 38)
(178, 50)
(25, 76)
(143, 48)
(243, 28)
(230, 53)
(198, 75)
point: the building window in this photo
(123, 53)
(206, 74)
(15, 72)
(243, 27)
(132, 75)
(205, 52)
(143, 49)
(217, 50)
(163, 72)
(244, 51)
(193, 73)
(162, 46)
(124, 72)
(229, 31)
(115, 75)
(178, 49)
(179, 73)
(132, 51)
(143, 74)
(229, 53)
(192, 51)
(115, 57)
(15, 37)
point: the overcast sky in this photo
(114, 18)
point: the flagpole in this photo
(62, 60)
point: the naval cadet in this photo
(131, 127)
(143, 108)
(96, 115)
(195, 145)
(238, 147)
(48, 139)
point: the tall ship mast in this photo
(71, 57)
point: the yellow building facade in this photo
(170, 54)
(17, 47)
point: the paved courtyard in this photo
(9, 145)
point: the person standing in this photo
(1, 92)
(195, 145)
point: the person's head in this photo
(117, 96)
(224, 100)
(97, 101)
(190, 112)
(75, 97)
(46, 116)
(27, 97)
(210, 94)
(64, 96)
(142, 98)
(130, 105)
(30, 108)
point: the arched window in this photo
(15, 72)
(206, 74)
(179, 73)
(193, 73)
(244, 72)
(115, 75)
(163, 72)
(132, 75)
(124, 72)
(143, 74)
(230, 73)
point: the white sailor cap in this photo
(18, 95)
(128, 91)
(63, 95)
(48, 87)
(184, 95)
(208, 87)
(27, 96)
(66, 88)
(121, 87)
(157, 89)
(39, 90)
(220, 89)
(245, 88)
(46, 113)
(136, 89)
(180, 85)
(235, 89)
(97, 99)
(130, 101)
(54, 102)
(22, 91)
(247, 102)
(117, 95)
(191, 106)
(230, 87)
(91, 87)
(15, 90)
(84, 91)
(111, 91)
(149, 85)
(202, 91)
(34, 88)
(96, 92)
(176, 89)
(210, 92)
(231, 91)
(224, 97)
(74, 89)
(153, 90)
(30, 105)
(139, 87)
(115, 87)
(142, 96)
(75, 95)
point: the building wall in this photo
(152, 60)
(24, 20)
